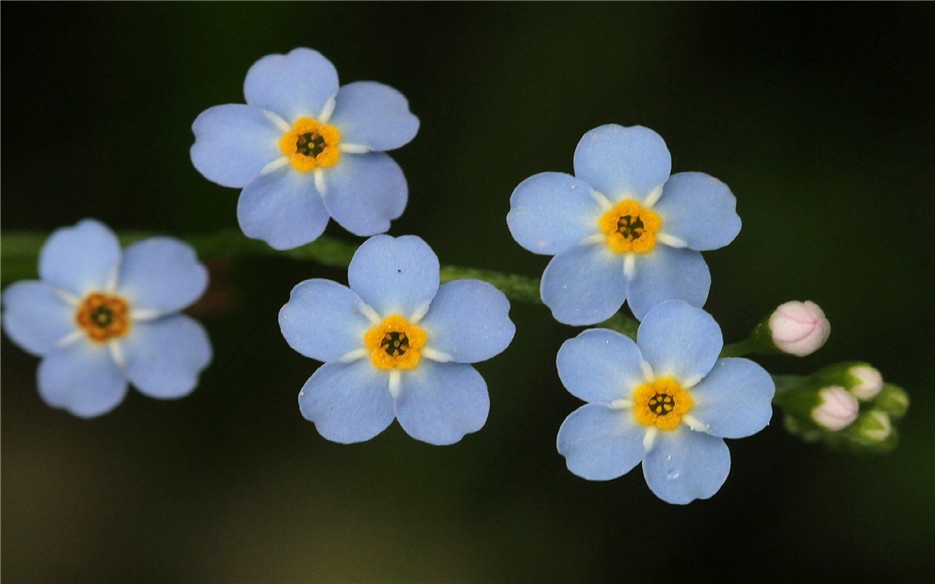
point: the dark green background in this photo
(820, 118)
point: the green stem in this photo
(20, 250)
(740, 348)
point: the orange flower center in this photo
(103, 317)
(310, 145)
(661, 403)
(630, 228)
(395, 343)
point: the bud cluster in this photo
(845, 405)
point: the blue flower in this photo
(304, 149)
(396, 345)
(101, 318)
(621, 229)
(665, 400)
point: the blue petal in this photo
(81, 378)
(668, 273)
(233, 143)
(364, 192)
(35, 317)
(164, 357)
(294, 85)
(348, 402)
(623, 163)
(283, 209)
(734, 400)
(373, 115)
(584, 285)
(80, 259)
(600, 443)
(680, 340)
(323, 320)
(161, 274)
(395, 275)
(698, 209)
(439, 403)
(683, 465)
(552, 211)
(600, 365)
(469, 321)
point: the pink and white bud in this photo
(838, 408)
(799, 328)
(869, 382)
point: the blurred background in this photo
(820, 119)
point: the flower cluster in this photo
(101, 318)
(622, 229)
(305, 149)
(665, 399)
(396, 344)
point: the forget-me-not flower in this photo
(621, 229)
(304, 149)
(396, 345)
(665, 400)
(102, 317)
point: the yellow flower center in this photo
(661, 403)
(630, 228)
(103, 317)
(310, 145)
(395, 343)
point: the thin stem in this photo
(20, 251)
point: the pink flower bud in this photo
(869, 382)
(837, 410)
(799, 328)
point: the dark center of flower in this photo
(310, 144)
(661, 404)
(102, 317)
(630, 228)
(395, 343)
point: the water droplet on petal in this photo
(672, 475)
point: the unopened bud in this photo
(868, 382)
(837, 409)
(893, 400)
(799, 328)
(873, 426)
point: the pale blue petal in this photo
(373, 115)
(668, 273)
(164, 357)
(600, 443)
(81, 378)
(680, 340)
(294, 85)
(394, 275)
(348, 402)
(698, 209)
(323, 320)
(283, 209)
(439, 403)
(35, 317)
(584, 285)
(600, 365)
(161, 274)
(233, 143)
(364, 192)
(734, 400)
(469, 321)
(683, 465)
(623, 163)
(552, 211)
(80, 259)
